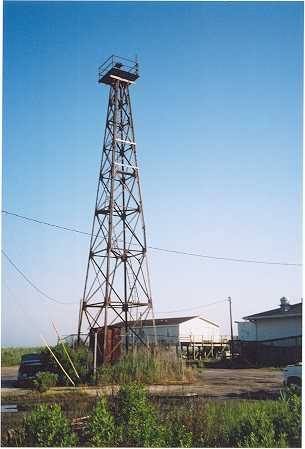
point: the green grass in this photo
(232, 423)
(12, 356)
(239, 423)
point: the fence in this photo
(275, 352)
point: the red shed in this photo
(113, 344)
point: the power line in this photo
(196, 307)
(46, 223)
(45, 295)
(17, 303)
(184, 253)
(228, 259)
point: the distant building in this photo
(273, 337)
(172, 331)
(282, 322)
(190, 331)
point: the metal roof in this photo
(293, 310)
(159, 321)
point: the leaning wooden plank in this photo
(44, 340)
(65, 349)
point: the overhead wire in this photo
(196, 307)
(185, 253)
(17, 303)
(45, 295)
(64, 228)
(227, 259)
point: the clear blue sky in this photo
(218, 117)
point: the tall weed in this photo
(144, 366)
(44, 380)
(242, 423)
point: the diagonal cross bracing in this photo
(117, 286)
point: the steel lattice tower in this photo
(117, 286)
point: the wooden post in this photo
(231, 326)
(193, 340)
(95, 354)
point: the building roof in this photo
(293, 310)
(159, 321)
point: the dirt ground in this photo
(240, 382)
(211, 382)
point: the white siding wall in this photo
(278, 327)
(198, 329)
(165, 334)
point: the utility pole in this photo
(117, 284)
(231, 326)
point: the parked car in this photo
(30, 365)
(292, 375)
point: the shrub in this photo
(101, 428)
(44, 380)
(46, 426)
(177, 435)
(81, 358)
(138, 424)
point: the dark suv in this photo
(30, 365)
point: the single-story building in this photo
(272, 337)
(172, 331)
(282, 322)
(189, 331)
